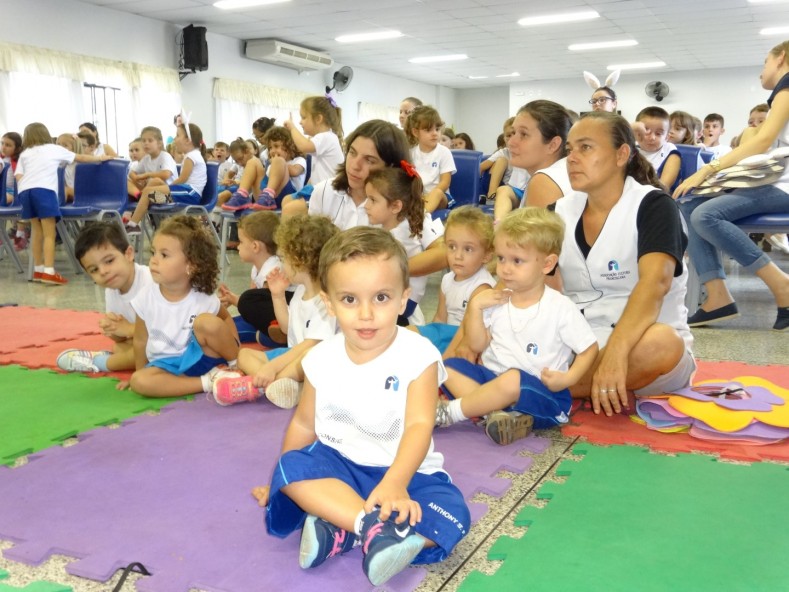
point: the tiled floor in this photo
(748, 339)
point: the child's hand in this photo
(554, 380)
(122, 385)
(639, 129)
(394, 499)
(115, 325)
(226, 297)
(288, 123)
(265, 376)
(261, 494)
(105, 157)
(490, 298)
(277, 282)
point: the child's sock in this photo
(49, 270)
(232, 363)
(243, 192)
(39, 269)
(357, 523)
(20, 232)
(100, 361)
(269, 192)
(455, 412)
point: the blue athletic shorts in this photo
(39, 203)
(185, 194)
(439, 334)
(547, 408)
(518, 192)
(445, 515)
(193, 362)
(304, 193)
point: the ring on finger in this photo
(602, 390)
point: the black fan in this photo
(341, 80)
(657, 90)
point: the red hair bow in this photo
(408, 168)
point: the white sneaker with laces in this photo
(77, 360)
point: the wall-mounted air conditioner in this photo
(274, 51)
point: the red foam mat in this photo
(26, 326)
(619, 429)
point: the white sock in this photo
(20, 232)
(133, 224)
(49, 270)
(357, 523)
(39, 269)
(232, 364)
(455, 412)
(205, 379)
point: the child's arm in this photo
(670, 171)
(294, 170)
(116, 327)
(477, 335)
(556, 380)
(91, 158)
(303, 143)
(432, 259)
(140, 342)
(226, 297)
(301, 430)
(277, 284)
(268, 372)
(420, 409)
(440, 190)
(441, 310)
(186, 169)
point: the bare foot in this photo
(261, 494)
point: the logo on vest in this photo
(613, 265)
(392, 382)
(531, 349)
(614, 273)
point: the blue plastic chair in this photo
(99, 193)
(465, 183)
(690, 161)
(11, 213)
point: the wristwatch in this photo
(716, 165)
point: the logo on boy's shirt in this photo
(307, 326)
(434, 165)
(192, 319)
(531, 349)
(613, 265)
(465, 302)
(392, 382)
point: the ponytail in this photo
(328, 109)
(642, 171)
(402, 183)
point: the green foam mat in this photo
(627, 519)
(39, 408)
(33, 587)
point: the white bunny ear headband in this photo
(594, 83)
(185, 120)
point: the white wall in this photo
(481, 113)
(79, 28)
(731, 92)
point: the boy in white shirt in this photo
(106, 255)
(358, 464)
(713, 128)
(651, 131)
(534, 342)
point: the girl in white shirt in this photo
(433, 161)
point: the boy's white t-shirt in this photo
(224, 167)
(544, 335)
(162, 162)
(431, 165)
(39, 166)
(326, 158)
(259, 275)
(308, 319)
(657, 157)
(169, 324)
(717, 151)
(360, 408)
(458, 293)
(199, 176)
(298, 180)
(121, 304)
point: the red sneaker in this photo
(231, 388)
(52, 278)
(37, 275)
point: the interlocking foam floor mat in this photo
(619, 429)
(39, 408)
(173, 492)
(26, 326)
(33, 586)
(627, 519)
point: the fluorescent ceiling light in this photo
(774, 31)
(602, 45)
(638, 66)
(477, 77)
(442, 58)
(231, 4)
(512, 75)
(376, 36)
(767, 1)
(550, 19)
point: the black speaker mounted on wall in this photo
(195, 49)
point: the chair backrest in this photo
(690, 161)
(102, 185)
(210, 195)
(308, 168)
(464, 186)
(62, 185)
(706, 156)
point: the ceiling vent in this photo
(274, 51)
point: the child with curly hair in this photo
(182, 332)
(278, 373)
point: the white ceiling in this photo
(686, 34)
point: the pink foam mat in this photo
(173, 492)
(620, 429)
(26, 326)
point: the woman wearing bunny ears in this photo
(603, 97)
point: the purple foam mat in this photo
(173, 492)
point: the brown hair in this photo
(283, 135)
(781, 47)
(322, 107)
(652, 111)
(17, 140)
(395, 184)
(261, 226)
(73, 144)
(361, 241)
(423, 117)
(36, 134)
(100, 234)
(714, 117)
(685, 120)
(533, 227)
(474, 219)
(300, 239)
(195, 136)
(552, 121)
(467, 139)
(390, 143)
(200, 250)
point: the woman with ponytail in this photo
(621, 263)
